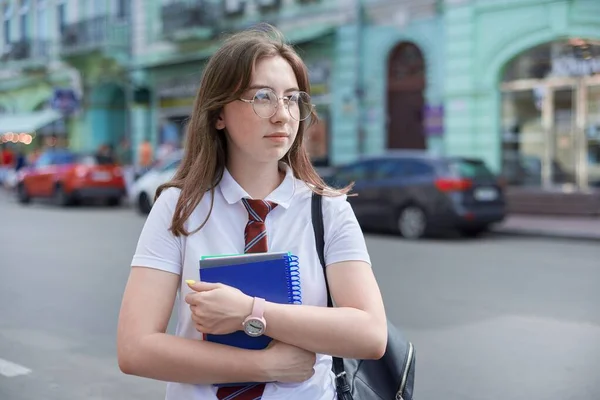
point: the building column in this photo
(460, 104)
(345, 112)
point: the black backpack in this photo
(392, 377)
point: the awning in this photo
(27, 122)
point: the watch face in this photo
(254, 327)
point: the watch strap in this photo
(258, 308)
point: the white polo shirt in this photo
(289, 228)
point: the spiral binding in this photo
(293, 280)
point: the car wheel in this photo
(412, 222)
(61, 198)
(144, 205)
(22, 195)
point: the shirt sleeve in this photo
(344, 240)
(157, 247)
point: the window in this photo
(24, 18)
(24, 22)
(575, 57)
(44, 160)
(385, 169)
(419, 168)
(122, 9)
(473, 169)
(7, 11)
(63, 158)
(401, 168)
(171, 165)
(234, 6)
(62, 17)
(354, 172)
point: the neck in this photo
(258, 180)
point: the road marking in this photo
(11, 370)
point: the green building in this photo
(522, 91)
(64, 63)
(514, 82)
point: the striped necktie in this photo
(255, 237)
(256, 231)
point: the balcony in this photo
(104, 34)
(28, 54)
(182, 20)
(16, 51)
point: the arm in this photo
(144, 349)
(355, 328)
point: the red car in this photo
(67, 177)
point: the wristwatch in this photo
(255, 324)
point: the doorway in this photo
(405, 94)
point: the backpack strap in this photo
(319, 229)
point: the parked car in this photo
(144, 188)
(416, 193)
(67, 177)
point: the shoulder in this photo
(335, 203)
(168, 198)
(166, 202)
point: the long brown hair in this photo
(225, 78)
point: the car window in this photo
(470, 168)
(419, 168)
(170, 165)
(62, 158)
(385, 169)
(96, 159)
(354, 172)
(44, 160)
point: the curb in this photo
(533, 233)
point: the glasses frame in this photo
(286, 104)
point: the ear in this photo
(220, 124)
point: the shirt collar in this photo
(282, 195)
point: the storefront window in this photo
(593, 137)
(557, 59)
(547, 94)
(522, 138)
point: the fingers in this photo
(202, 286)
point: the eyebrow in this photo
(294, 89)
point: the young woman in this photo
(244, 145)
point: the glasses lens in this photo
(300, 106)
(265, 103)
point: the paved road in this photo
(495, 318)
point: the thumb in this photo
(201, 286)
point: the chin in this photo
(275, 154)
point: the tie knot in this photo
(258, 209)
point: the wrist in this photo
(264, 365)
(245, 311)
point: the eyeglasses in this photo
(265, 103)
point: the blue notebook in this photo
(272, 276)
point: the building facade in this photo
(64, 64)
(514, 82)
(522, 92)
(355, 52)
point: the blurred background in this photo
(471, 129)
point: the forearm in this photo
(174, 359)
(340, 331)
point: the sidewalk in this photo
(585, 228)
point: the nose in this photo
(282, 114)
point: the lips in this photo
(277, 135)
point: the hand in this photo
(287, 363)
(216, 308)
